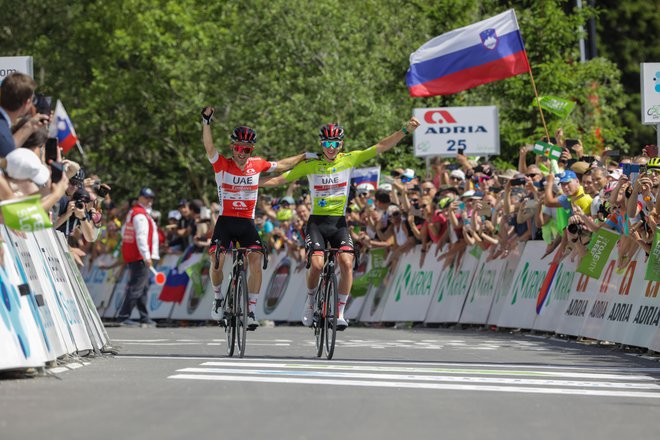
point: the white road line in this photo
(162, 344)
(422, 378)
(414, 385)
(418, 363)
(427, 370)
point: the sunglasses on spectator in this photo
(331, 144)
(532, 175)
(396, 214)
(455, 178)
(426, 190)
(242, 149)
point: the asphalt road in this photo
(174, 383)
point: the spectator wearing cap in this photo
(172, 239)
(16, 96)
(139, 250)
(573, 193)
(457, 179)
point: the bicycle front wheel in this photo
(241, 313)
(319, 329)
(230, 318)
(331, 313)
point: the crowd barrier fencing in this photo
(46, 311)
(619, 307)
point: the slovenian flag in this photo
(62, 129)
(483, 52)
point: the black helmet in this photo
(244, 134)
(331, 132)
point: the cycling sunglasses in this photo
(331, 144)
(240, 149)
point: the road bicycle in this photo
(326, 302)
(235, 305)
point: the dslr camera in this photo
(81, 198)
(576, 228)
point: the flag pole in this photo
(538, 102)
(82, 153)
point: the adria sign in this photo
(445, 131)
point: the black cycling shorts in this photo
(240, 231)
(325, 228)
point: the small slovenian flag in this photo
(483, 52)
(62, 129)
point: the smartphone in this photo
(613, 153)
(56, 171)
(51, 150)
(552, 141)
(103, 191)
(517, 182)
(42, 104)
(460, 150)
(453, 166)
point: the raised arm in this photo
(396, 137)
(207, 136)
(290, 162)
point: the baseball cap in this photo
(392, 209)
(288, 199)
(458, 174)
(182, 202)
(23, 164)
(147, 192)
(448, 188)
(615, 173)
(444, 202)
(175, 214)
(580, 167)
(566, 176)
(409, 173)
(508, 174)
(386, 187)
(468, 194)
(365, 187)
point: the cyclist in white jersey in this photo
(329, 182)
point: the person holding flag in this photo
(329, 186)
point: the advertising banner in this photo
(413, 289)
(482, 291)
(9, 65)
(100, 281)
(376, 298)
(650, 91)
(555, 293)
(653, 263)
(451, 290)
(502, 293)
(448, 130)
(520, 309)
(24, 269)
(600, 247)
(369, 272)
(61, 285)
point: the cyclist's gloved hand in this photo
(309, 156)
(207, 115)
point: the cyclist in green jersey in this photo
(329, 183)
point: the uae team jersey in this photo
(329, 181)
(237, 189)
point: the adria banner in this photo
(448, 130)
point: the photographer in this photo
(80, 212)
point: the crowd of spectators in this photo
(458, 202)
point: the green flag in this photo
(600, 247)
(25, 214)
(653, 265)
(373, 277)
(546, 149)
(555, 105)
(194, 271)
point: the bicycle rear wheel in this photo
(241, 313)
(319, 331)
(230, 318)
(331, 313)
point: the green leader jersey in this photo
(329, 182)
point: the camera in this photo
(576, 228)
(518, 182)
(103, 191)
(81, 197)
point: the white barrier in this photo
(620, 307)
(45, 308)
